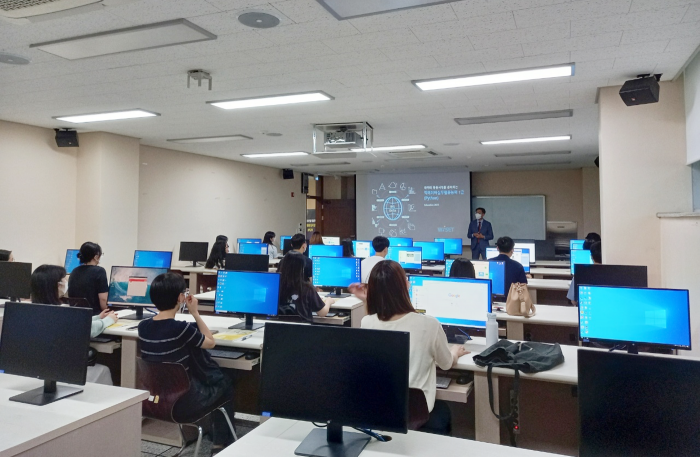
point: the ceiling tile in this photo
(404, 18)
(227, 5)
(482, 55)
(573, 44)
(471, 8)
(529, 62)
(522, 35)
(299, 33)
(464, 28)
(226, 23)
(303, 10)
(291, 52)
(570, 11)
(148, 11)
(617, 51)
(434, 48)
(684, 30)
(693, 13)
(646, 5)
(683, 46)
(640, 20)
(372, 40)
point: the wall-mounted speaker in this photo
(66, 138)
(287, 173)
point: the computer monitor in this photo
(131, 286)
(581, 257)
(72, 261)
(336, 272)
(252, 248)
(452, 301)
(546, 250)
(340, 376)
(46, 342)
(282, 238)
(322, 250)
(153, 259)
(331, 240)
(402, 242)
(249, 240)
(247, 293)
(194, 251)
(637, 405)
(495, 270)
(522, 256)
(286, 245)
(527, 245)
(634, 316)
(363, 249)
(453, 246)
(576, 244)
(15, 280)
(448, 266)
(491, 253)
(433, 251)
(247, 262)
(609, 275)
(409, 257)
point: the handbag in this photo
(519, 302)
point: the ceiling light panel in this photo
(528, 140)
(514, 117)
(110, 116)
(344, 9)
(211, 139)
(533, 154)
(149, 36)
(410, 147)
(537, 164)
(272, 100)
(555, 71)
(274, 154)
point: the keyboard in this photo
(102, 339)
(442, 382)
(224, 354)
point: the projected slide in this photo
(421, 206)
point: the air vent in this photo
(514, 117)
(18, 9)
(406, 155)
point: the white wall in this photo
(185, 197)
(692, 108)
(591, 200)
(37, 194)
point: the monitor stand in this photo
(45, 395)
(138, 316)
(337, 293)
(248, 324)
(632, 349)
(332, 442)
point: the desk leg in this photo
(516, 330)
(356, 316)
(129, 348)
(193, 284)
(533, 295)
(488, 427)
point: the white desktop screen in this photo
(522, 256)
(452, 301)
(331, 240)
(531, 247)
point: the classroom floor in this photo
(150, 449)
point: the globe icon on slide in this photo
(393, 208)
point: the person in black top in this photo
(89, 281)
(217, 257)
(298, 243)
(297, 295)
(514, 271)
(165, 339)
(462, 268)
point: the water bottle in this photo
(491, 329)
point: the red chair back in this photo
(167, 383)
(418, 413)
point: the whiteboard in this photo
(519, 217)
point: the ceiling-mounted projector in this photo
(641, 91)
(341, 140)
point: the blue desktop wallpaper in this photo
(406, 242)
(247, 292)
(453, 246)
(252, 248)
(72, 260)
(322, 250)
(431, 250)
(153, 259)
(336, 271)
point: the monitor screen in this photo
(282, 238)
(350, 376)
(363, 249)
(252, 248)
(15, 279)
(522, 256)
(132, 285)
(453, 246)
(576, 244)
(193, 251)
(493, 270)
(72, 260)
(247, 292)
(431, 250)
(247, 262)
(580, 256)
(411, 258)
(249, 240)
(286, 245)
(610, 275)
(153, 259)
(331, 240)
(452, 301)
(336, 271)
(321, 250)
(527, 245)
(448, 266)
(659, 317)
(637, 405)
(405, 242)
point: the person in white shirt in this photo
(269, 239)
(389, 308)
(381, 249)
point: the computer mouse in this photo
(342, 314)
(251, 356)
(464, 379)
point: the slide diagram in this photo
(392, 207)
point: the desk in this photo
(558, 316)
(278, 437)
(539, 272)
(546, 284)
(100, 420)
(553, 263)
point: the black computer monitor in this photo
(546, 250)
(46, 342)
(194, 251)
(153, 259)
(72, 261)
(247, 262)
(610, 275)
(337, 272)
(286, 245)
(15, 280)
(637, 405)
(634, 316)
(339, 376)
(247, 293)
(131, 286)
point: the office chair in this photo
(168, 393)
(418, 413)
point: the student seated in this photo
(316, 238)
(462, 268)
(217, 256)
(6, 256)
(380, 244)
(269, 240)
(597, 256)
(592, 237)
(348, 251)
(389, 308)
(298, 243)
(514, 271)
(88, 280)
(164, 339)
(298, 297)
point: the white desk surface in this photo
(23, 426)
(561, 272)
(278, 437)
(564, 316)
(553, 263)
(347, 303)
(549, 284)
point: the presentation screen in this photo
(422, 206)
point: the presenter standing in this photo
(480, 232)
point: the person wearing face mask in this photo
(480, 232)
(89, 281)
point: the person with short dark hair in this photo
(462, 268)
(596, 249)
(592, 237)
(480, 232)
(6, 256)
(167, 340)
(269, 240)
(380, 244)
(297, 295)
(515, 273)
(298, 243)
(88, 280)
(217, 256)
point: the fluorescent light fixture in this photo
(533, 154)
(509, 76)
(272, 100)
(514, 117)
(537, 164)
(528, 140)
(211, 139)
(274, 154)
(410, 147)
(111, 116)
(345, 9)
(148, 36)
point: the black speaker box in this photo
(640, 91)
(66, 138)
(287, 173)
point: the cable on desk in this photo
(379, 437)
(320, 426)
